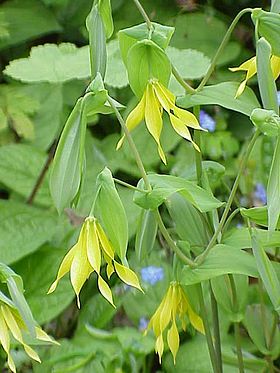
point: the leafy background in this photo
(44, 69)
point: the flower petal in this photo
(4, 334)
(275, 66)
(164, 100)
(196, 320)
(169, 95)
(64, 268)
(31, 353)
(110, 270)
(159, 347)
(127, 275)
(92, 245)
(105, 243)
(153, 118)
(245, 65)
(182, 130)
(105, 290)
(11, 323)
(188, 118)
(43, 336)
(173, 340)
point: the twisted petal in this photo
(153, 117)
(110, 270)
(251, 67)
(92, 245)
(173, 339)
(127, 275)
(165, 314)
(105, 243)
(5, 342)
(169, 95)
(159, 347)
(43, 336)
(105, 290)
(182, 129)
(196, 320)
(166, 99)
(275, 66)
(188, 118)
(64, 267)
(134, 118)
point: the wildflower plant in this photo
(178, 210)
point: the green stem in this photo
(171, 243)
(181, 81)
(144, 14)
(230, 218)
(132, 187)
(221, 47)
(243, 163)
(208, 335)
(216, 327)
(236, 324)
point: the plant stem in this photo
(243, 163)
(221, 47)
(42, 175)
(208, 335)
(216, 327)
(132, 187)
(171, 243)
(181, 81)
(144, 14)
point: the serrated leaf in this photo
(51, 63)
(190, 63)
(23, 229)
(222, 94)
(26, 20)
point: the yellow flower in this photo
(11, 323)
(174, 303)
(156, 98)
(85, 257)
(250, 67)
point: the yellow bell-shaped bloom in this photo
(250, 67)
(86, 256)
(174, 305)
(12, 324)
(156, 98)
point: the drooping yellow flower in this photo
(12, 324)
(250, 67)
(85, 257)
(174, 304)
(156, 98)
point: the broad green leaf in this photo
(145, 61)
(20, 167)
(267, 121)
(66, 171)
(222, 94)
(145, 234)
(266, 81)
(275, 6)
(273, 189)
(241, 238)
(26, 20)
(23, 229)
(161, 36)
(106, 15)
(97, 41)
(258, 215)
(165, 185)
(38, 271)
(112, 213)
(269, 25)
(221, 260)
(190, 63)
(51, 63)
(116, 75)
(267, 272)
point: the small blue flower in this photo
(143, 323)
(278, 97)
(152, 274)
(206, 121)
(260, 193)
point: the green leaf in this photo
(66, 171)
(97, 41)
(145, 60)
(38, 271)
(165, 185)
(221, 260)
(112, 213)
(23, 229)
(26, 20)
(145, 234)
(222, 94)
(51, 63)
(266, 81)
(190, 63)
(116, 75)
(267, 121)
(275, 6)
(20, 167)
(241, 238)
(106, 15)
(273, 189)
(267, 272)
(269, 25)
(161, 36)
(258, 215)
